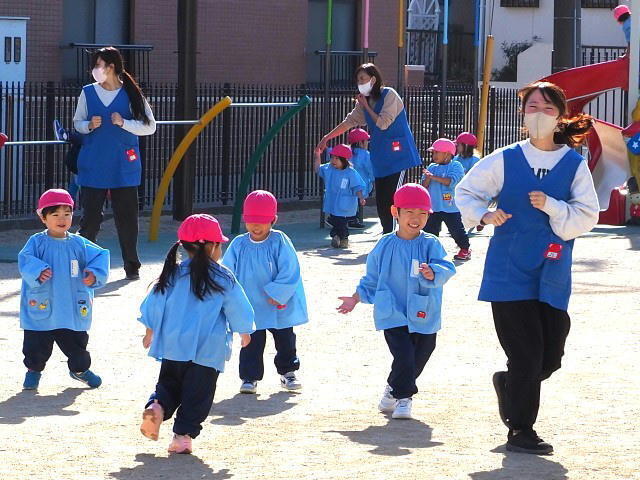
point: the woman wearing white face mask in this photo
(546, 199)
(391, 146)
(111, 114)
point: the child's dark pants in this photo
(38, 346)
(251, 356)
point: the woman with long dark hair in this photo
(546, 199)
(112, 113)
(392, 147)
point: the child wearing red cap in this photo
(60, 271)
(266, 265)
(466, 152)
(189, 316)
(361, 161)
(342, 192)
(622, 14)
(441, 178)
(405, 274)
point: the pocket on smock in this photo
(84, 304)
(39, 305)
(383, 305)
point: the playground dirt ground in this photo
(332, 430)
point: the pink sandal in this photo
(151, 419)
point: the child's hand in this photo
(245, 339)
(537, 199)
(271, 301)
(427, 172)
(363, 201)
(348, 304)
(89, 278)
(427, 272)
(148, 336)
(116, 119)
(95, 122)
(45, 275)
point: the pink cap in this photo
(201, 228)
(357, 135)
(443, 145)
(620, 10)
(341, 150)
(3, 139)
(54, 197)
(412, 195)
(260, 206)
(467, 138)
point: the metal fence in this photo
(221, 152)
(424, 47)
(596, 54)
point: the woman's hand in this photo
(95, 122)
(116, 119)
(497, 218)
(322, 144)
(537, 199)
(362, 100)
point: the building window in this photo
(17, 49)
(520, 3)
(7, 49)
(599, 3)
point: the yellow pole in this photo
(176, 158)
(484, 99)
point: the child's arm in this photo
(148, 337)
(96, 272)
(426, 177)
(238, 310)
(33, 270)
(284, 286)
(361, 198)
(437, 270)
(456, 173)
(151, 313)
(357, 186)
(230, 258)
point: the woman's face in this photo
(363, 78)
(537, 103)
(100, 63)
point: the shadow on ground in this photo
(28, 404)
(523, 466)
(184, 467)
(242, 407)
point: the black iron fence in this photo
(136, 60)
(343, 66)
(424, 47)
(221, 152)
(596, 54)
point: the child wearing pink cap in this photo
(441, 178)
(266, 265)
(60, 271)
(405, 273)
(361, 161)
(189, 316)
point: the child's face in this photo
(337, 162)
(59, 221)
(411, 221)
(259, 231)
(441, 157)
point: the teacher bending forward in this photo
(392, 146)
(546, 199)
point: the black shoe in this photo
(357, 224)
(527, 441)
(500, 384)
(132, 275)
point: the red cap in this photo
(3, 139)
(260, 206)
(412, 195)
(467, 138)
(341, 150)
(54, 197)
(620, 10)
(201, 228)
(357, 135)
(443, 145)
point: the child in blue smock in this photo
(466, 151)
(343, 189)
(405, 274)
(441, 178)
(361, 161)
(60, 271)
(190, 315)
(266, 265)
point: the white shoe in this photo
(248, 386)
(387, 402)
(290, 382)
(403, 409)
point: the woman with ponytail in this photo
(112, 113)
(546, 199)
(189, 316)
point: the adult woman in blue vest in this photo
(392, 147)
(112, 113)
(546, 199)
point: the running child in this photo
(361, 160)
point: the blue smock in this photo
(443, 196)
(361, 162)
(467, 163)
(340, 188)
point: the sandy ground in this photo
(332, 430)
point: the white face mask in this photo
(365, 88)
(539, 124)
(98, 74)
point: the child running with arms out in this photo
(60, 271)
(343, 188)
(266, 265)
(405, 274)
(190, 315)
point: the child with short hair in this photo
(441, 178)
(361, 161)
(405, 274)
(60, 271)
(265, 262)
(189, 316)
(343, 190)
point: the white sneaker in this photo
(387, 402)
(403, 409)
(248, 386)
(290, 382)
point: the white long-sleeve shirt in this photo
(81, 118)
(485, 180)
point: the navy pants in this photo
(251, 356)
(385, 189)
(453, 221)
(38, 346)
(187, 389)
(410, 351)
(340, 226)
(532, 335)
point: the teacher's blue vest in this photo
(394, 149)
(110, 156)
(525, 259)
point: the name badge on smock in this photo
(75, 268)
(415, 268)
(344, 183)
(131, 155)
(553, 251)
